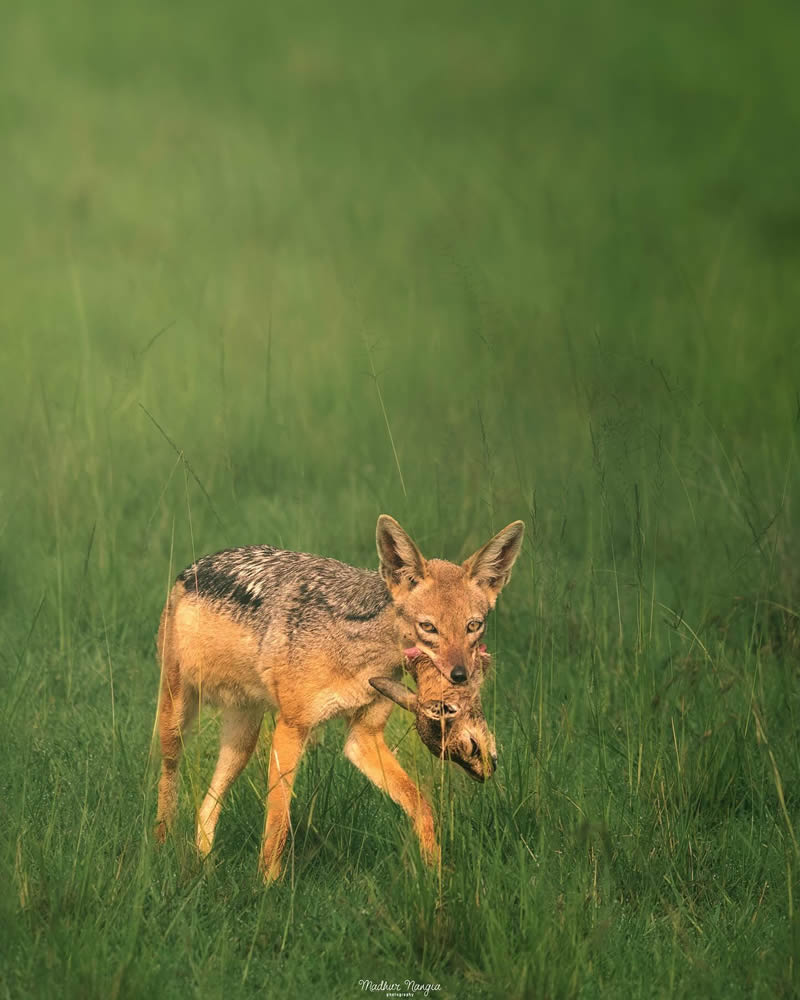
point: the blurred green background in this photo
(269, 270)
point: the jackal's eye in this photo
(428, 627)
(475, 625)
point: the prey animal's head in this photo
(449, 719)
(442, 606)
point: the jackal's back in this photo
(264, 587)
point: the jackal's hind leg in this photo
(238, 738)
(176, 712)
(288, 744)
(367, 749)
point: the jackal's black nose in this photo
(458, 674)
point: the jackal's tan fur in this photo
(256, 628)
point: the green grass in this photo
(270, 270)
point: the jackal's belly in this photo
(219, 657)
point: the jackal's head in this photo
(449, 719)
(441, 606)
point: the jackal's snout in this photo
(458, 675)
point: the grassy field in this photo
(267, 271)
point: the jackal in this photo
(255, 628)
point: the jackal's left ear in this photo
(491, 565)
(401, 562)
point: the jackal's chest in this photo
(349, 697)
(320, 690)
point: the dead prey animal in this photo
(448, 717)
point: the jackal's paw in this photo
(426, 833)
(204, 841)
(432, 856)
(430, 852)
(160, 831)
(271, 871)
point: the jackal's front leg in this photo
(288, 743)
(367, 749)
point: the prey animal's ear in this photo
(490, 567)
(401, 562)
(398, 693)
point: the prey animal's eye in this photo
(475, 625)
(428, 627)
(474, 748)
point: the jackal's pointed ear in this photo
(401, 562)
(395, 691)
(491, 565)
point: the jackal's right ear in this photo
(401, 562)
